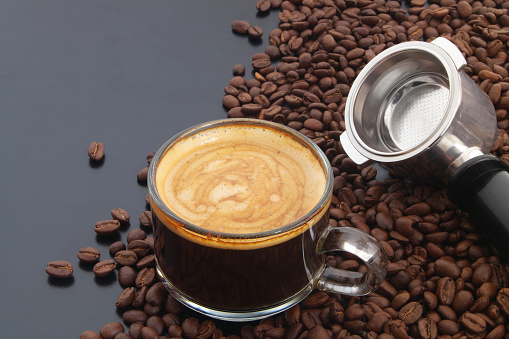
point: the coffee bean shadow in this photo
(107, 240)
(96, 163)
(108, 280)
(261, 15)
(255, 41)
(142, 182)
(124, 226)
(87, 267)
(56, 282)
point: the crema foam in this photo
(240, 179)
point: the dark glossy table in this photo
(127, 73)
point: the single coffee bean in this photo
(255, 32)
(89, 335)
(139, 298)
(104, 267)
(240, 26)
(134, 317)
(126, 297)
(427, 328)
(60, 269)
(446, 289)
(239, 70)
(147, 261)
(121, 215)
(127, 276)
(411, 313)
(503, 301)
(206, 329)
(140, 247)
(107, 227)
(116, 247)
(190, 327)
(96, 151)
(126, 257)
(156, 294)
(111, 329)
(149, 333)
(145, 277)
(156, 323)
(146, 219)
(142, 175)
(89, 255)
(122, 335)
(472, 322)
(136, 234)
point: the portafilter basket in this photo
(415, 111)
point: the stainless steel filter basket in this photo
(415, 111)
(412, 105)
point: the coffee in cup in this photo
(240, 212)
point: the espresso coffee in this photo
(240, 179)
(241, 207)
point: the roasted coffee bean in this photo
(472, 322)
(156, 294)
(147, 261)
(139, 298)
(107, 227)
(146, 219)
(255, 32)
(134, 317)
(145, 277)
(240, 26)
(142, 175)
(89, 255)
(190, 327)
(127, 276)
(427, 328)
(110, 330)
(149, 333)
(126, 258)
(60, 269)
(136, 234)
(96, 151)
(446, 289)
(89, 335)
(104, 267)
(239, 70)
(121, 215)
(126, 297)
(140, 247)
(116, 247)
(411, 312)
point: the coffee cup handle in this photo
(360, 244)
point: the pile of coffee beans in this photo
(444, 279)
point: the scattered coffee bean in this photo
(126, 257)
(116, 247)
(110, 330)
(104, 267)
(89, 255)
(107, 227)
(142, 175)
(96, 151)
(121, 215)
(240, 26)
(59, 269)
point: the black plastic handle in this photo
(480, 187)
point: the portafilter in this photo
(415, 111)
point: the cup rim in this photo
(232, 237)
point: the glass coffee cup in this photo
(241, 223)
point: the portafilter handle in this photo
(480, 186)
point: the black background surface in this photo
(128, 73)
